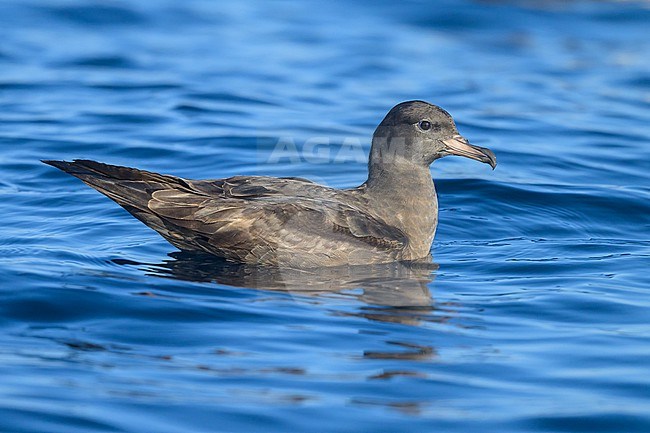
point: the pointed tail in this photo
(126, 186)
(130, 188)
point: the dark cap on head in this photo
(411, 112)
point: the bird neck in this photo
(402, 176)
(404, 196)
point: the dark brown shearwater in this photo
(295, 222)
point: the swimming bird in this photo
(295, 222)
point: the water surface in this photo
(535, 321)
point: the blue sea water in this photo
(537, 319)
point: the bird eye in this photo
(424, 125)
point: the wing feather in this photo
(268, 213)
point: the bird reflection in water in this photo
(393, 292)
(389, 293)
